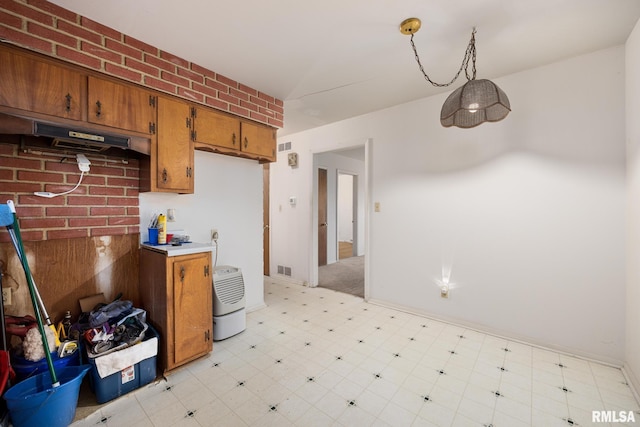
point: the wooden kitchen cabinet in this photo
(176, 293)
(259, 140)
(215, 129)
(174, 153)
(122, 106)
(228, 134)
(33, 85)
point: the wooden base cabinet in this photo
(176, 293)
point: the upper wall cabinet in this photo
(216, 129)
(170, 166)
(29, 84)
(174, 147)
(259, 140)
(121, 106)
(223, 133)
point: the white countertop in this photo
(183, 249)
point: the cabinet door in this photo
(121, 106)
(212, 128)
(32, 85)
(259, 140)
(192, 304)
(174, 148)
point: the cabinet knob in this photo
(68, 102)
(246, 142)
(165, 175)
(98, 109)
(182, 273)
(233, 138)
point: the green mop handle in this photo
(36, 308)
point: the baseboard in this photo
(615, 363)
(286, 280)
(632, 380)
(255, 307)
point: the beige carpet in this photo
(346, 275)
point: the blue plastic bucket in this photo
(25, 368)
(35, 402)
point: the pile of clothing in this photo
(111, 327)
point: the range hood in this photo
(70, 136)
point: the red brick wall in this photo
(105, 203)
(47, 28)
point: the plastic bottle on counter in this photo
(162, 229)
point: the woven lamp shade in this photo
(476, 102)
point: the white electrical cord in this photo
(215, 260)
(49, 195)
(83, 165)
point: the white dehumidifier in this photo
(229, 315)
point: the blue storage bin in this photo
(25, 368)
(125, 381)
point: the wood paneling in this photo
(66, 270)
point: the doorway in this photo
(341, 266)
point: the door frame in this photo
(266, 220)
(368, 191)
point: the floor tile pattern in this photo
(316, 357)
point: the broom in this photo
(6, 215)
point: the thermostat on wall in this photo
(292, 200)
(293, 159)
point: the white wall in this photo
(293, 235)
(632, 354)
(526, 215)
(228, 196)
(345, 207)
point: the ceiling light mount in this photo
(477, 101)
(410, 26)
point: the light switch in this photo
(376, 206)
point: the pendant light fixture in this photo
(477, 101)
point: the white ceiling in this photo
(334, 59)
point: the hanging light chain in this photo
(470, 53)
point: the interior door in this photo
(322, 217)
(266, 233)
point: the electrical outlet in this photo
(214, 234)
(6, 296)
(444, 292)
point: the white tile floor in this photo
(315, 357)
